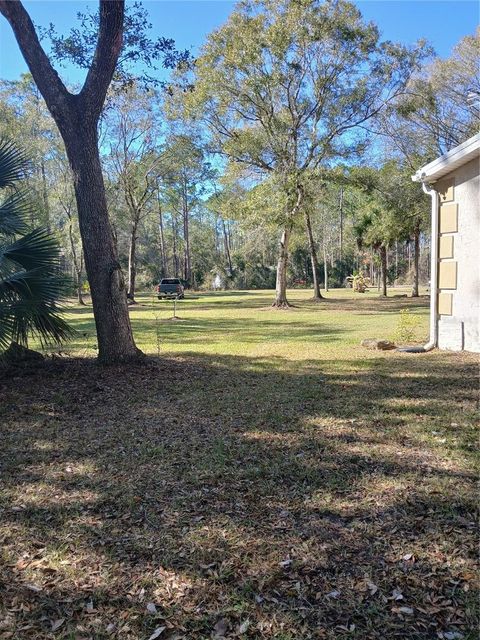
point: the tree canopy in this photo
(285, 87)
(295, 122)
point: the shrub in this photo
(406, 330)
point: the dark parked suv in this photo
(170, 288)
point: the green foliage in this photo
(441, 107)
(30, 281)
(79, 46)
(341, 267)
(283, 85)
(406, 330)
(391, 206)
(27, 121)
(169, 175)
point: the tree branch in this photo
(109, 45)
(46, 78)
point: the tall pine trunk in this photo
(186, 235)
(77, 264)
(313, 258)
(163, 254)
(416, 260)
(80, 299)
(383, 259)
(46, 204)
(325, 266)
(132, 260)
(341, 233)
(227, 249)
(174, 246)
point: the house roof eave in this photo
(450, 161)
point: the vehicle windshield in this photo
(170, 281)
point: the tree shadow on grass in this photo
(240, 489)
(196, 331)
(369, 305)
(245, 330)
(262, 299)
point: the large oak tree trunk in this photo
(313, 258)
(107, 287)
(76, 116)
(416, 259)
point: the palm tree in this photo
(31, 284)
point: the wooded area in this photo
(254, 166)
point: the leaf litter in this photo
(256, 510)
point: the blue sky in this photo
(188, 22)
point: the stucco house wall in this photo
(459, 259)
(453, 182)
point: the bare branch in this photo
(46, 78)
(109, 45)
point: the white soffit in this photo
(451, 160)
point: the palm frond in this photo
(36, 284)
(37, 249)
(31, 285)
(12, 163)
(14, 214)
(29, 305)
(20, 320)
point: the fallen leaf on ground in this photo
(157, 633)
(406, 610)
(285, 563)
(244, 626)
(220, 628)
(56, 624)
(372, 587)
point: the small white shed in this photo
(453, 182)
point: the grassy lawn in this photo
(242, 323)
(261, 475)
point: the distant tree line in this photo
(282, 157)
